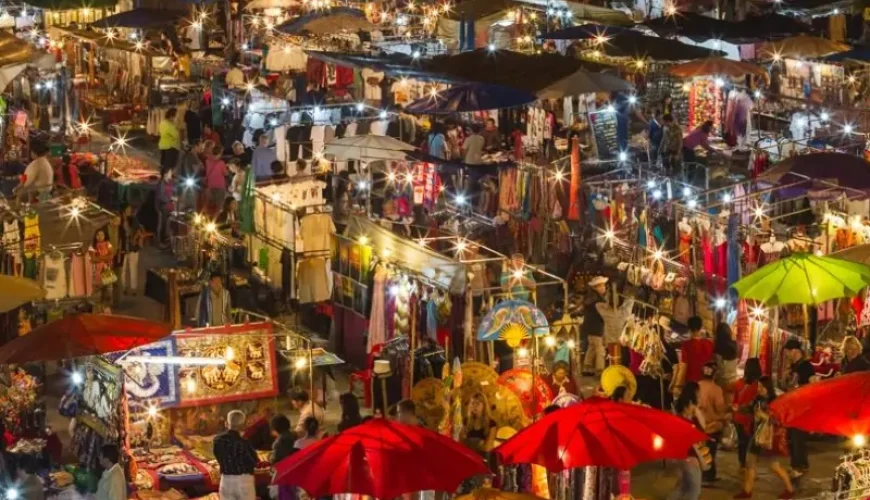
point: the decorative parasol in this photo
(368, 148)
(716, 66)
(379, 458)
(428, 397)
(507, 409)
(327, 22)
(513, 321)
(846, 404)
(519, 381)
(601, 432)
(566, 399)
(18, 291)
(859, 254)
(844, 169)
(82, 335)
(615, 376)
(800, 47)
(803, 278)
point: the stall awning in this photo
(694, 26)
(408, 254)
(470, 97)
(585, 11)
(843, 169)
(530, 73)
(643, 47)
(330, 21)
(585, 82)
(140, 18)
(772, 25)
(586, 32)
(476, 9)
(14, 50)
(71, 4)
(860, 55)
(101, 40)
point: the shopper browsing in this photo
(237, 460)
(302, 402)
(113, 484)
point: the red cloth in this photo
(696, 353)
(634, 361)
(744, 394)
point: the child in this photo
(102, 257)
(130, 242)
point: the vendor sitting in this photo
(560, 379)
(38, 177)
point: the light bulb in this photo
(757, 94)
(571, 344)
(632, 99)
(491, 47)
(658, 442)
(726, 198)
(687, 192)
(77, 378)
(847, 128)
(363, 240)
(523, 352)
(211, 227)
(719, 303)
(693, 204)
(824, 116)
(190, 385)
(650, 184)
(189, 182)
(360, 107)
(383, 115)
(550, 341)
(859, 440)
(229, 353)
(12, 494)
(623, 156)
(75, 212)
(152, 411)
(657, 194)
(300, 363)
(460, 199)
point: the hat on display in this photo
(665, 322)
(598, 280)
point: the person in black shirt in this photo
(802, 373)
(237, 460)
(855, 357)
(193, 123)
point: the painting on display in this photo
(99, 406)
(151, 384)
(249, 371)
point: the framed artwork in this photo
(250, 370)
(100, 400)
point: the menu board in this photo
(604, 128)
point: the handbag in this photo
(763, 436)
(107, 276)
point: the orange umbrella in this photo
(800, 47)
(713, 66)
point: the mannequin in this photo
(771, 251)
(685, 240)
(751, 251)
(799, 241)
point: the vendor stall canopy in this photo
(141, 18)
(71, 4)
(753, 28)
(14, 50)
(800, 47)
(713, 66)
(642, 47)
(470, 97)
(843, 169)
(412, 256)
(531, 73)
(328, 21)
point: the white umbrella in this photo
(368, 148)
(584, 82)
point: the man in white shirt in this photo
(473, 147)
(38, 176)
(112, 485)
(307, 408)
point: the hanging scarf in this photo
(246, 206)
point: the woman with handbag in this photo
(103, 253)
(745, 391)
(761, 445)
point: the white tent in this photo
(368, 148)
(584, 82)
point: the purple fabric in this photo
(695, 139)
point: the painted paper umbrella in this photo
(513, 321)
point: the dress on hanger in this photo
(685, 243)
(377, 321)
(54, 276)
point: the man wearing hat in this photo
(592, 328)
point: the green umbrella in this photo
(804, 278)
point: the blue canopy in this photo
(585, 32)
(141, 18)
(298, 25)
(470, 97)
(859, 54)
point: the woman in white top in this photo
(311, 433)
(38, 176)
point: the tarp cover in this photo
(140, 18)
(408, 254)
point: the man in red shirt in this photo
(696, 351)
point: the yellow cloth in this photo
(169, 136)
(837, 27)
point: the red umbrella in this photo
(382, 459)
(839, 405)
(82, 335)
(601, 432)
